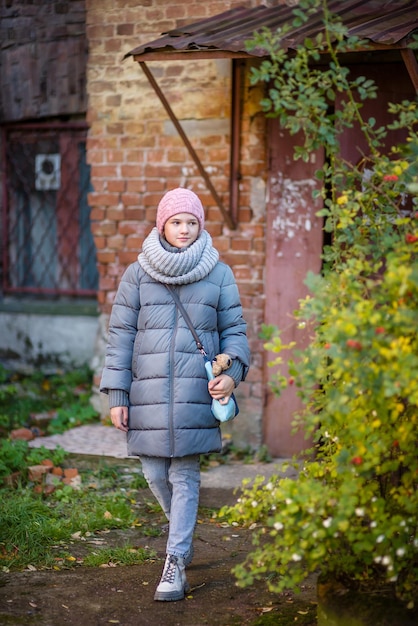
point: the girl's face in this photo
(181, 230)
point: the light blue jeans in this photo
(175, 484)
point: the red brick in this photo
(177, 155)
(113, 45)
(105, 171)
(116, 185)
(105, 257)
(24, 434)
(47, 463)
(127, 257)
(158, 171)
(241, 244)
(242, 273)
(137, 185)
(103, 228)
(103, 199)
(115, 156)
(136, 141)
(134, 156)
(97, 214)
(115, 129)
(132, 171)
(125, 29)
(135, 214)
(36, 473)
(128, 228)
(70, 472)
(107, 284)
(115, 214)
(113, 101)
(116, 243)
(130, 199)
(100, 32)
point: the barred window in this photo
(48, 247)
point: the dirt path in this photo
(124, 595)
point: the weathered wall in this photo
(43, 56)
(43, 59)
(47, 341)
(136, 155)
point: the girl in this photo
(155, 376)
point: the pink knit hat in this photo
(176, 201)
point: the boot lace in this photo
(170, 571)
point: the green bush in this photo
(65, 395)
(352, 512)
(17, 456)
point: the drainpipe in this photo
(236, 113)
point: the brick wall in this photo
(136, 155)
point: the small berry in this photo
(352, 343)
(410, 238)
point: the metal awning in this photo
(384, 24)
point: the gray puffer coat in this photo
(152, 355)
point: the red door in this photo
(294, 246)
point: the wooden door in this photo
(294, 246)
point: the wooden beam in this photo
(168, 54)
(411, 64)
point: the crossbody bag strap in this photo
(186, 318)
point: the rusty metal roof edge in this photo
(228, 32)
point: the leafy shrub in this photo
(65, 393)
(17, 456)
(351, 513)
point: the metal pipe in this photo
(236, 110)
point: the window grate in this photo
(48, 245)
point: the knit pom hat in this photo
(176, 201)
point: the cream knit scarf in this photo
(176, 266)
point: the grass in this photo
(63, 529)
(65, 396)
(68, 526)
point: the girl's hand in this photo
(119, 417)
(221, 388)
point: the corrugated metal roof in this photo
(386, 22)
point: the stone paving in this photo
(106, 441)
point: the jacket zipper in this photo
(171, 382)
